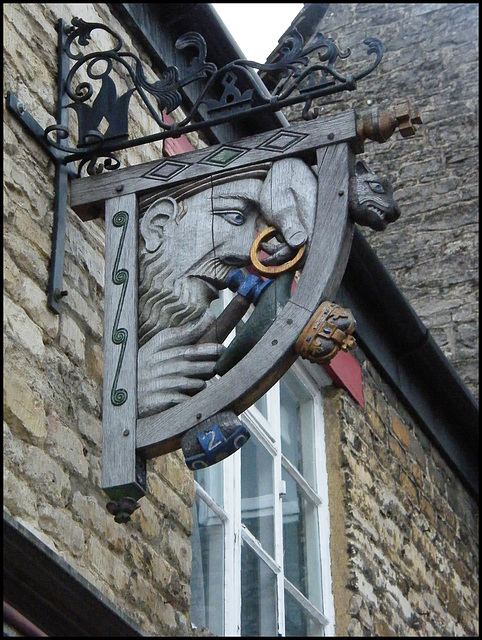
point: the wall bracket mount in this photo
(86, 87)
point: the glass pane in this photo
(297, 622)
(257, 493)
(290, 424)
(262, 406)
(301, 542)
(207, 579)
(258, 596)
(211, 480)
(297, 426)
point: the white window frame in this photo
(313, 379)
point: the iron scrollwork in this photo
(107, 105)
(304, 73)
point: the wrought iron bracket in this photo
(55, 291)
(303, 73)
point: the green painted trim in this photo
(119, 336)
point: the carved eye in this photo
(233, 217)
(376, 187)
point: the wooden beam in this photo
(119, 406)
(87, 195)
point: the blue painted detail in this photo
(235, 279)
(251, 286)
(211, 438)
(216, 447)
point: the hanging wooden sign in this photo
(180, 230)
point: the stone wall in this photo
(431, 252)
(53, 366)
(404, 531)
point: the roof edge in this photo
(392, 335)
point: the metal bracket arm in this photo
(55, 291)
(229, 93)
(305, 72)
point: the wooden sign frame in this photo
(329, 144)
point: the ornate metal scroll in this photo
(102, 109)
(305, 72)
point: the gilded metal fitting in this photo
(380, 125)
(328, 331)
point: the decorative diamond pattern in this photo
(166, 170)
(224, 156)
(282, 141)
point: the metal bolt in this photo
(341, 192)
(122, 517)
(123, 509)
(126, 432)
(60, 294)
(199, 416)
(119, 188)
(20, 108)
(331, 136)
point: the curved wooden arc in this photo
(265, 364)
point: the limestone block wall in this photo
(53, 364)
(432, 251)
(404, 531)
(404, 542)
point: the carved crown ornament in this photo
(270, 217)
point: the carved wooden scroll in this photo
(183, 229)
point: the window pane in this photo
(262, 406)
(258, 596)
(297, 622)
(207, 580)
(211, 480)
(297, 426)
(257, 495)
(301, 542)
(290, 421)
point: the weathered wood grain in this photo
(273, 355)
(87, 195)
(120, 360)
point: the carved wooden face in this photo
(193, 238)
(187, 250)
(205, 236)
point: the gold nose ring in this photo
(264, 270)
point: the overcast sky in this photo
(257, 26)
